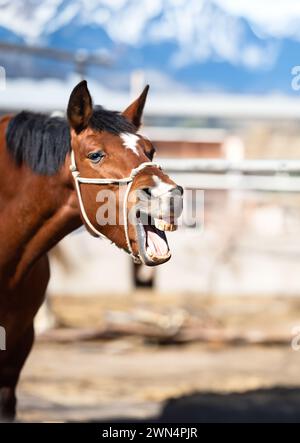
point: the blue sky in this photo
(214, 44)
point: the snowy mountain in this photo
(199, 45)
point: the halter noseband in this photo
(108, 181)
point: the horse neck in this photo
(36, 213)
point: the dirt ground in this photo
(133, 379)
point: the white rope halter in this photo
(108, 181)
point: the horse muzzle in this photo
(156, 214)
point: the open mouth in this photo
(152, 241)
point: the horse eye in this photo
(95, 157)
(150, 154)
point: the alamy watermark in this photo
(2, 339)
(295, 342)
(295, 82)
(2, 79)
(186, 212)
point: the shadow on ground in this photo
(278, 404)
(262, 405)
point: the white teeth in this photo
(162, 225)
(159, 224)
(149, 252)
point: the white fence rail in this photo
(224, 166)
(252, 175)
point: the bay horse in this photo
(51, 170)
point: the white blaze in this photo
(130, 142)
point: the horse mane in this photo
(42, 142)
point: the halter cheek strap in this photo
(108, 181)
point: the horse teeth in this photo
(159, 224)
(149, 252)
(162, 225)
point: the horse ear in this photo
(134, 111)
(80, 107)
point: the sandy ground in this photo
(129, 379)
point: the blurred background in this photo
(211, 335)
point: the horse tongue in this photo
(156, 242)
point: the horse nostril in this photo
(177, 190)
(147, 191)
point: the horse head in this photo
(123, 195)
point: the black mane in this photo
(110, 121)
(42, 142)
